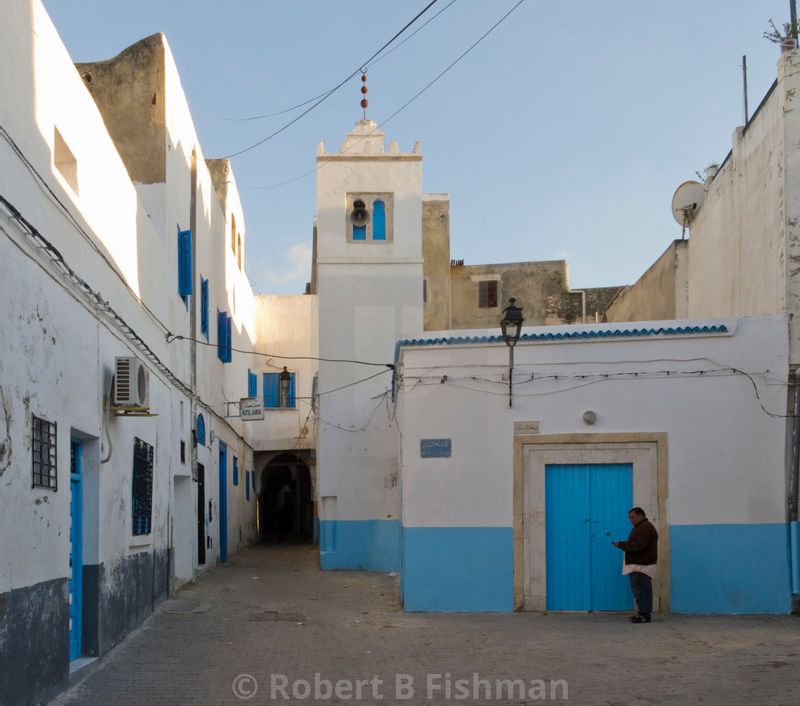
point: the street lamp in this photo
(511, 326)
(285, 378)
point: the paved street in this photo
(272, 615)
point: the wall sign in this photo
(435, 448)
(250, 409)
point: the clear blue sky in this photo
(562, 135)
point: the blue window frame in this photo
(378, 221)
(204, 307)
(272, 391)
(359, 232)
(252, 384)
(185, 264)
(247, 475)
(235, 470)
(223, 336)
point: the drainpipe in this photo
(794, 482)
(582, 292)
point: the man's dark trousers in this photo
(642, 589)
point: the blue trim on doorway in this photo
(222, 515)
(730, 568)
(458, 569)
(76, 550)
(371, 545)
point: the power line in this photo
(399, 110)
(592, 379)
(311, 100)
(174, 337)
(333, 90)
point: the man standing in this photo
(641, 556)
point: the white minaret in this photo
(369, 257)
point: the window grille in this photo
(142, 487)
(487, 294)
(44, 453)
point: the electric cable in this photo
(68, 213)
(175, 337)
(399, 110)
(333, 90)
(311, 100)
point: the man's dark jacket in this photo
(642, 545)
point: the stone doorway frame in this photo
(648, 454)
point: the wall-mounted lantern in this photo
(285, 380)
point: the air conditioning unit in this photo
(131, 383)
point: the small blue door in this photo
(223, 502)
(586, 508)
(75, 550)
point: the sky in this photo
(562, 135)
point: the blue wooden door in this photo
(75, 550)
(223, 502)
(586, 507)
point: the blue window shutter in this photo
(292, 401)
(222, 328)
(359, 232)
(378, 221)
(200, 430)
(185, 263)
(204, 307)
(272, 390)
(252, 384)
(247, 485)
(235, 471)
(228, 338)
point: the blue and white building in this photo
(515, 507)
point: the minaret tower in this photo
(369, 268)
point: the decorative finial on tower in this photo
(364, 101)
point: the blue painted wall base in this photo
(730, 568)
(369, 545)
(458, 569)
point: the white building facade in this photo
(119, 240)
(509, 508)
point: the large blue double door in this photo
(586, 508)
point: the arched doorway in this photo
(286, 503)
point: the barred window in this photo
(44, 453)
(487, 294)
(142, 487)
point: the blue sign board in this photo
(435, 448)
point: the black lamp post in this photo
(511, 326)
(284, 379)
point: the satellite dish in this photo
(687, 201)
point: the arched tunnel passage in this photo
(286, 501)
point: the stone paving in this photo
(259, 629)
